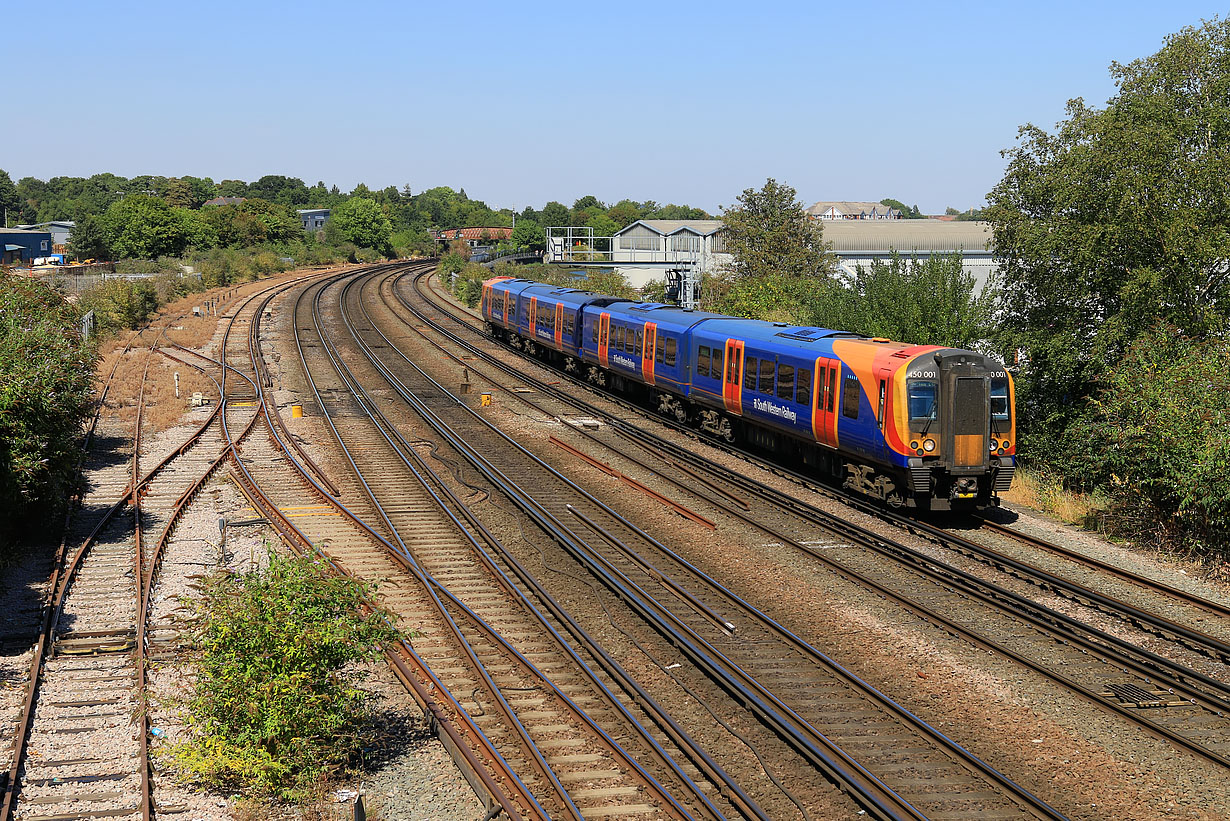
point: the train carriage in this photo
(916, 425)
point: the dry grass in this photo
(1046, 494)
(162, 409)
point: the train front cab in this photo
(960, 430)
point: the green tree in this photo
(1118, 220)
(9, 201)
(926, 302)
(768, 234)
(88, 240)
(1154, 438)
(555, 213)
(361, 221)
(624, 213)
(528, 234)
(46, 375)
(906, 211)
(143, 227)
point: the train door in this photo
(732, 390)
(604, 339)
(531, 329)
(824, 400)
(510, 306)
(647, 351)
(969, 422)
(485, 307)
(559, 326)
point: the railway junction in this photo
(612, 616)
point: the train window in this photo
(999, 400)
(921, 398)
(803, 393)
(593, 333)
(785, 382)
(659, 354)
(640, 342)
(671, 349)
(749, 372)
(766, 376)
(849, 398)
(715, 367)
(569, 323)
(619, 337)
(832, 391)
(703, 356)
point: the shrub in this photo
(275, 708)
(1155, 438)
(46, 375)
(120, 303)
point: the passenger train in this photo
(913, 425)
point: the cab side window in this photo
(849, 397)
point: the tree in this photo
(46, 376)
(555, 213)
(9, 201)
(528, 234)
(907, 212)
(768, 234)
(587, 201)
(362, 222)
(1118, 220)
(143, 227)
(624, 213)
(88, 240)
(924, 302)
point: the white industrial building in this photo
(645, 250)
(860, 242)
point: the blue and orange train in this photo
(914, 425)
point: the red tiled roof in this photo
(473, 233)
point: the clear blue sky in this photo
(520, 103)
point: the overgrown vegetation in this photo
(1112, 224)
(276, 705)
(46, 375)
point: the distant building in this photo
(829, 211)
(313, 219)
(19, 245)
(225, 201)
(644, 250)
(474, 237)
(861, 242)
(60, 230)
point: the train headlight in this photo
(914, 445)
(928, 445)
(994, 444)
(1004, 444)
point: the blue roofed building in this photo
(19, 246)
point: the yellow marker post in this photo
(484, 400)
(296, 411)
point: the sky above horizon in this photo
(673, 102)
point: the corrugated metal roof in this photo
(907, 235)
(23, 231)
(702, 227)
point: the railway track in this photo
(1107, 671)
(902, 768)
(76, 752)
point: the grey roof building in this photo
(849, 210)
(859, 242)
(313, 219)
(60, 230)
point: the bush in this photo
(274, 708)
(46, 375)
(120, 303)
(1155, 438)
